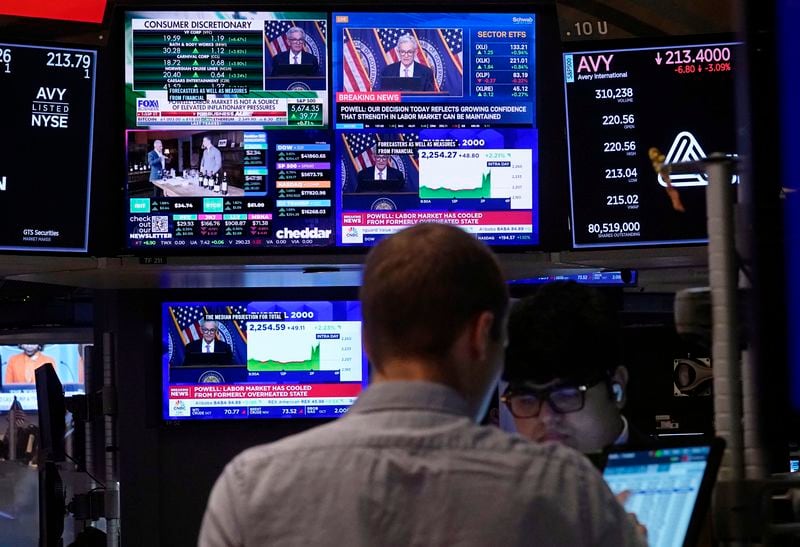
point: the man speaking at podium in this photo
(295, 61)
(208, 350)
(381, 177)
(406, 74)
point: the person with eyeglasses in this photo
(406, 74)
(408, 464)
(563, 377)
(209, 349)
(380, 177)
(295, 61)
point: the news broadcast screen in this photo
(225, 69)
(229, 189)
(435, 121)
(242, 360)
(46, 163)
(631, 110)
(19, 361)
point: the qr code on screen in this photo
(159, 224)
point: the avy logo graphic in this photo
(686, 148)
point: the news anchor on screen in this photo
(209, 350)
(296, 61)
(406, 74)
(20, 368)
(381, 177)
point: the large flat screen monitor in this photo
(227, 143)
(47, 95)
(435, 121)
(252, 359)
(630, 110)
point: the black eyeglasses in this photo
(562, 398)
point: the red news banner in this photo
(262, 391)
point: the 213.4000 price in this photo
(613, 227)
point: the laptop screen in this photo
(664, 484)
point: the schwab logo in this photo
(147, 104)
(686, 148)
(3, 183)
(305, 233)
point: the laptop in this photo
(670, 483)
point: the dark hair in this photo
(422, 286)
(564, 331)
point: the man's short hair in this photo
(295, 30)
(564, 331)
(422, 287)
(207, 138)
(407, 39)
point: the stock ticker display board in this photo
(628, 112)
(239, 137)
(45, 163)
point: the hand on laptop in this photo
(622, 498)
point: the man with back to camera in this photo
(212, 158)
(565, 380)
(408, 465)
(381, 177)
(22, 366)
(208, 344)
(406, 67)
(295, 61)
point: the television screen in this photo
(435, 120)
(19, 362)
(45, 166)
(631, 110)
(227, 146)
(241, 360)
(225, 69)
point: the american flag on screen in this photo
(240, 324)
(454, 38)
(275, 33)
(16, 413)
(388, 39)
(360, 146)
(411, 137)
(275, 36)
(188, 321)
(356, 77)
